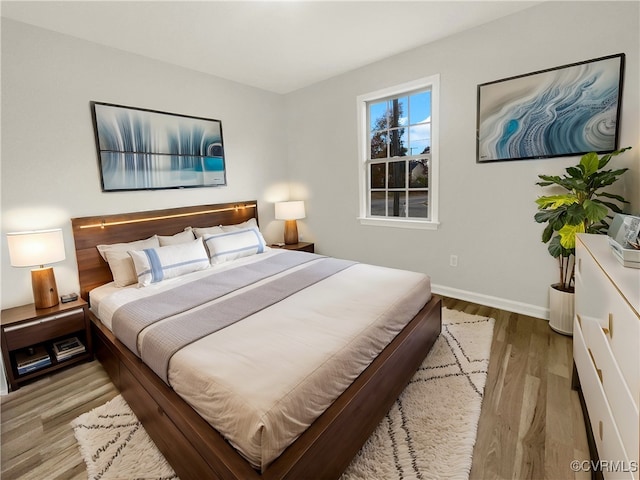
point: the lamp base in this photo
(290, 232)
(45, 291)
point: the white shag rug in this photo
(429, 432)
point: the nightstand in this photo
(26, 331)
(300, 246)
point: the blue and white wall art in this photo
(567, 110)
(141, 149)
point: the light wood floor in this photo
(531, 425)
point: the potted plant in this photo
(583, 208)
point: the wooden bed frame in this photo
(193, 448)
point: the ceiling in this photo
(278, 46)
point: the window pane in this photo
(420, 139)
(379, 145)
(419, 174)
(378, 116)
(397, 174)
(399, 109)
(396, 204)
(377, 200)
(378, 175)
(398, 141)
(420, 107)
(418, 204)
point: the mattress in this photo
(264, 379)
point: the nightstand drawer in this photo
(40, 330)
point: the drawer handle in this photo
(609, 330)
(43, 320)
(600, 429)
(598, 370)
(580, 265)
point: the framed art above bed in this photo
(141, 149)
(568, 110)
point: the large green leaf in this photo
(543, 216)
(589, 163)
(606, 178)
(575, 172)
(605, 158)
(611, 195)
(595, 211)
(556, 201)
(555, 218)
(615, 208)
(565, 183)
(568, 235)
(575, 214)
(555, 249)
(547, 233)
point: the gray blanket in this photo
(182, 326)
(130, 319)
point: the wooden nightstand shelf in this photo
(300, 246)
(27, 327)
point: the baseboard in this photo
(490, 301)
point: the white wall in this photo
(49, 163)
(49, 168)
(486, 210)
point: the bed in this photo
(194, 448)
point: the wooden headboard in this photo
(88, 232)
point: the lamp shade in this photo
(290, 210)
(27, 249)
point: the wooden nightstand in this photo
(300, 246)
(27, 328)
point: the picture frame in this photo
(568, 110)
(142, 149)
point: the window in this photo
(398, 155)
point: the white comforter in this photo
(262, 381)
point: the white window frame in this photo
(432, 82)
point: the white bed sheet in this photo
(262, 381)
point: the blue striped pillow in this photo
(156, 264)
(234, 244)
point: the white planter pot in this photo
(561, 310)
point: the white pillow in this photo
(202, 231)
(156, 264)
(150, 242)
(180, 237)
(234, 244)
(120, 262)
(251, 223)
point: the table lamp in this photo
(28, 249)
(290, 212)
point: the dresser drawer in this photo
(619, 398)
(28, 333)
(605, 432)
(603, 303)
(623, 334)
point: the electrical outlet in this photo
(453, 261)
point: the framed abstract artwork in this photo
(140, 149)
(561, 111)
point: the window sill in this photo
(399, 223)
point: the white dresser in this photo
(606, 352)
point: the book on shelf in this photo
(68, 348)
(32, 358)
